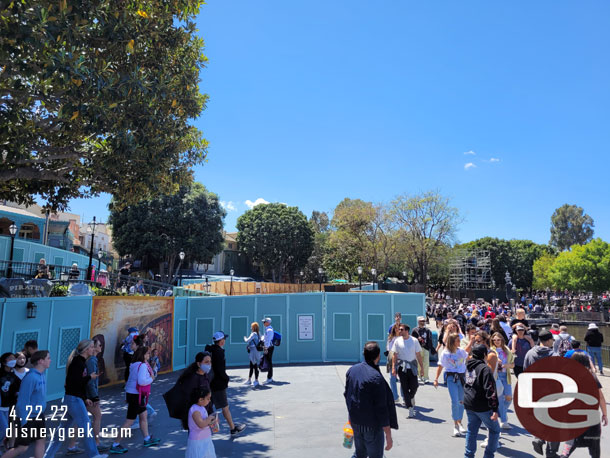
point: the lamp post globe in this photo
(13, 231)
(360, 277)
(374, 274)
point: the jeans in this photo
(368, 442)
(3, 423)
(409, 385)
(394, 386)
(77, 416)
(474, 423)
(596, 355)
(456, 392)
(507, 391)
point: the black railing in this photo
(29, 270)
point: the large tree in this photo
(277, 237)
(190, 220)
(428, 224)
(97, 96)
(570, 225)
(584, 268)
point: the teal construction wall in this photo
(342, 323)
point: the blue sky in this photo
(312, 102)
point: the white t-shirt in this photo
(406, 349)
(454, 362)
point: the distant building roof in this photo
(19, 211)
(230, 236)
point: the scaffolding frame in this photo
(470, 269)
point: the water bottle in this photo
(348, 435)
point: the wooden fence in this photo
(238, 288)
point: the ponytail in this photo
(81, 347)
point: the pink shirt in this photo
(195, 432)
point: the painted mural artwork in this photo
(113, 316)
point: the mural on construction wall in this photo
(113, 316)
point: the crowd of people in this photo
(199, 394)
(482, 349)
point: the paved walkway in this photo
(302, 415)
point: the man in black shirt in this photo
(424, 337)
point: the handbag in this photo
(264, 366)
(175, 400)
(144, 391)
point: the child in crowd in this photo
(154, 362)
(20, 365)
(9, 388)
(200, 443)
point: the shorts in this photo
(219, 399)
(134, 407)
(32, 431)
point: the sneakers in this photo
(538, 444)
(238, 429)
(268, 381)
(103, 447)
(152, 441)
(485, 442)
(462, 429)
(117, 449)
(255, 383)
(75, 451)
(248, 382)
(411, 412)
(505, 425)
(456, 433)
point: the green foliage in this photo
(98, 96)
(514, 256)
(541, 269)
(59, 291)
(190, 220)
(570, 226)
(583, 268)
(277, 237)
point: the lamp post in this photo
(508, 282)
(320, 272)
(301, 279)
(181, 255)
(374, 273)
(231, 285)
(360, 276)
(13, 230)
(99, 261)
(91, 230)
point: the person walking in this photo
(424, 337)
(563, 343)
(9, 388)
(194, 377)
(394, 333)
(370, 405)
(505, 364)
(137, 391)
(200, 443)
(252, 345)
(520, 345)
(594, 340)
(220, 382)
(75, 399)
(480, 402)
(268, 349)
(407, 353)
(543, 350)
(31, 400)
(453, 360)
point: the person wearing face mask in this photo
(197, 376)
(20, 365)
(220, 382)
(9, 388)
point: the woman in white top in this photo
(390, 342)
(142, 375)
(453, 359)
(255, 357)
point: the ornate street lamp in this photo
(232, 272)
(360, 276)
(374, 273)
(320, 272)
(13, 230)
(181, 255)
(91, 230)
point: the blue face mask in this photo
(206, 367)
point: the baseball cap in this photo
(421, 318)
(267, 319)
(132, 329)
(520, 327)
(219, 336)
(545, 335)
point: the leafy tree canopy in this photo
(277, 237)
(542, 267)
(584, 268)
(190, 220)
(96, 96)
(570, 225)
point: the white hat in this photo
(593, 326)
(265, 320)
(421, 318)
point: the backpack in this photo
(565, 345)
(143, 391)
(277, 339)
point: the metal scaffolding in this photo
(471, 269)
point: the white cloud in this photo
(258, 201)
(494, 159)
(229, 206)
(469, 166)
(470, 153)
